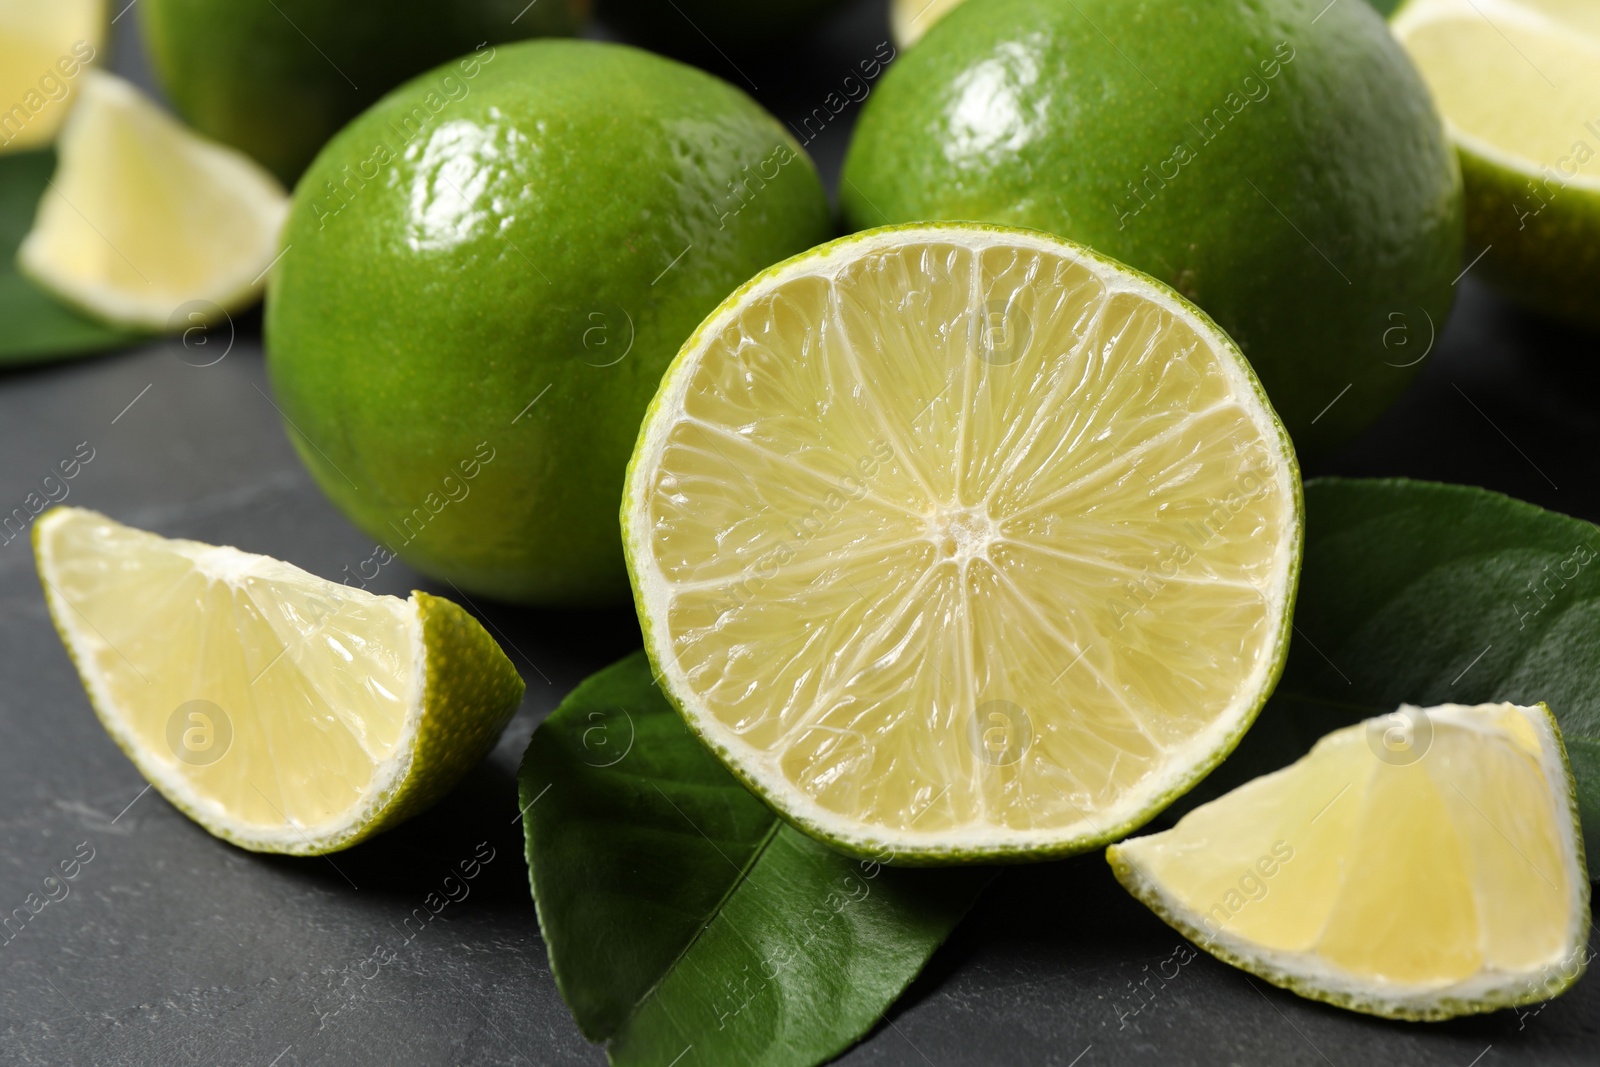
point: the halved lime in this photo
(147, 225)
(1421, 865)
(963, 542)
(1518, 82)
(280, 711)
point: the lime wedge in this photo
(963, 542)
(280, 711)
(147, 225)
(1518, 83)
(44, 50)
(1421, 865)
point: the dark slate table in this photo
(175, 948)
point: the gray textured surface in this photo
(174, 948)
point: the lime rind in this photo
(1315, 980)
(804, 813)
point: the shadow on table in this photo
(553, 650)
(1066, 934)
(475, 829)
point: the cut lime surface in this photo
(963, 542)
(146, 225)
(280, 711)
(1518, 82)
(44, 50)
(1421, 865)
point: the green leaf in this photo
(1421, 593)
(684, 919)
(33, 327)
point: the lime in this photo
(1518, 82)
(44, 49)
(963, 542)
(713, 24)
(281, 712)
(1421, 865)
(277, 78)
(1278, 163)
(145, 225)
(910, 19)
(478, 300)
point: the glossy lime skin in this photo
(725, 24)
(277, 78)
(1279, 164)
(511, 284)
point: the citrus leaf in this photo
(36, 328)
(1422, 593)
(683, 919)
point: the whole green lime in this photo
(1278, 162)
(277, 78)
(481, 286)
(712, 24)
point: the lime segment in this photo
(147, 225)
(1421, 865)
(1518, 83)
(282, 712)
(1514, 77)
